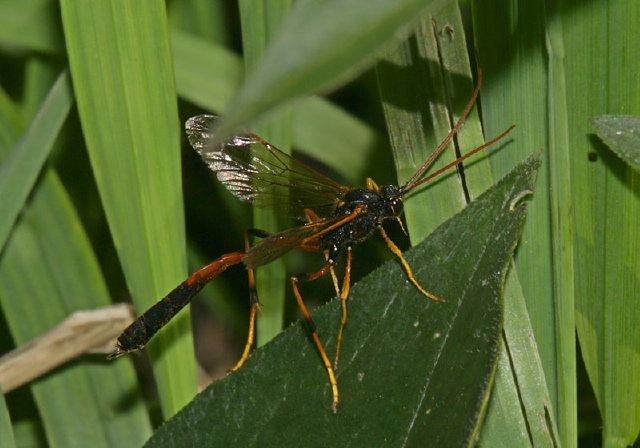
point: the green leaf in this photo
(412, 369)
(621, 134)
(20, 170)
(605, 205)
(121, 66)
(28, 25)
(260, 20)
(6, 431)
(47, 271)
(320, 45)
(207, 75)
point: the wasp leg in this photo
(253, 299)
(407, 268)
(312, 326)
(344, 296)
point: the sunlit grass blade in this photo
(420, 115)
(606, 207)
(122, 75)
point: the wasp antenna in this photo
(411, 182)
(458, 161)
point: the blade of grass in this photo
(514, 93)
(562, 232)
(320, 45)
(19, 170)
(122, 72)
(47, 271)
(260, 21)
(441, 39)
(598, 37)
(207, 75)
(198, 16)
(6, 431)
(28, 25)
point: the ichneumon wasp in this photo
(336, 218)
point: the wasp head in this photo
(392, 197)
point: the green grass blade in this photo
(562, 232)
(6, 431)
(207, 75)
(28, 25)
(47, 271)
(320, 45)
(439, 99)
(10, 123)
(19, 171)
(49, 241)
(606, 206)
(514, 93)
(259, 22)
(122, 74)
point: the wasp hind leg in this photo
(344, 296)
(312, 326)
(253, 300)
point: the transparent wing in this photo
(258, 172)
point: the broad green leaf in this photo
(621, 134)
(411, 370)
(122, 74)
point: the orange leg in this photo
(313, 329)
(407, 268)
(344, 296)
(253, 301)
